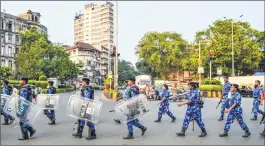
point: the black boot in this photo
(25, 135)
(79, 132)
(254, 118)
(157, 121)
(92, 135)
(52, 122)
(263, 133)
(32, 131)
(6, 122)
(173, 120)
(117, 121)
(224, 134)
(129, 136)
(203, 134)
(143, 130)
(181, 133)
(11, 119)
(247, 133)
(221, 119)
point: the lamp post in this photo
(116, 55)
(233, 62)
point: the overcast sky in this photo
(138, 17)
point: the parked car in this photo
(246, 92)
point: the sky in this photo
(136, 18)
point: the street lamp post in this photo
(116, 55)
(233, 59)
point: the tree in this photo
(163, 52)
(125, 71)
(246, 47)
(5, 72)
(143, 68)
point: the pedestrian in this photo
(235, 111)
(164, 105)
(133, 91)
(15, 91)
(86, 93)
(125, 96)
(51, 113)
(224, 99)
(193, 110)
(7, 90)
(257, 94)
(25, 93)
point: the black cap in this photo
(50, 82)
(24, 79)
(5, 81)
(87, 80)
(132, 79)
(225, 77)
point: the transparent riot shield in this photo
(132, 108)
(80, 108)
(48, 101)
(4, 99)
(24, 110)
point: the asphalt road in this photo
(110, 133)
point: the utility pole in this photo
(116, 54)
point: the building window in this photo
(2, 26)
(10, 25)
(2, 50)
(10, 51)
(16, 50)
(10, 63)
(17, 38)
(10, 37)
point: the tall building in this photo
(11, 26)
(96, 27)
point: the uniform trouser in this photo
(225, 105)
(164, 109)
(132, 123)
(82, 124)
(256, 109)
(235, 113)
(4, 114)
(50, 114)
(24, 123)
(194, 111)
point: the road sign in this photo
(200, 70)
(219, 70)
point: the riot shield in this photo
(132, 108)
(80, 108)
(24, 110)
(4, 99)
(48, 101)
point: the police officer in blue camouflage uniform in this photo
(224, 99)
(50, 113)
(257, 93)
(7, 90)
(164, 105)
(125, 96)
(25, 93)
(86, 93)
(235, 111)
(133, 91)
(193, 110)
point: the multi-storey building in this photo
(11, 26)
(89, 57)
(95, 27)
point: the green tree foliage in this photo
(5, 72)
(143, 68)
(246, 46)
(125, 71)
(38, 56)
(163, 52)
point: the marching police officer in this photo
(86, 93)
(224, 99)
(235, 111)
(257, 93)
(7, 90)
(192, 110)
(133, 91)
(25, 93)
(51, 113)
(164, 105)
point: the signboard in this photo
(219, 70)
(200, 70)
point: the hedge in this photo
(59, 90)
(42, 78)
(210, 88)
(208, 81)
(42, 84)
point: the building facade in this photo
(96, 27)
(11, 26)
(89, 57)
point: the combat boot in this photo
(117, 121)
(181, 133)
(254, 118)
(129, 136)
(11, 119)
(5, 122)
(225, 134)
(203, 134)
(32, 131)
(247, 133)
(143, 130)
(79, 132)
(221, 118)
(25, 135)
(52, 121)
(173, 119)
(157, 121)
(263, 133)
(93, 135)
